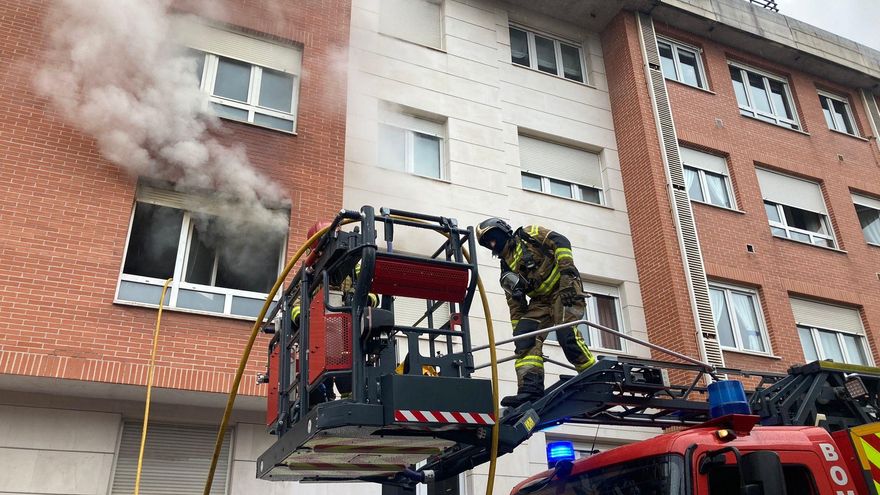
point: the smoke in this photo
(112, 70)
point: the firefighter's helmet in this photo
(494, 229)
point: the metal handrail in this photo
(706, 367)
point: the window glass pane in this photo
(245, 306)
(426, 155)
(826, 111)
(717, 189)
(854, 350)
(519, 47)
(200, 259)
(233, 79)
(690, 72)
(780, 100)
(869, 218)
(273, 122)
(152, 245)
(830, 346)
(804, 220)
(606, 307)
(772, 212)
(799, 236)
(807, 344)
(392, 147)
(249, 263)
(202, 301)
(229, 112)
(760, 99)
(276, 90)
(778, 232)
(739, 87)
(546, 52)
(842, 118)
(590, 194)
(558, 188)
(666, 60)
(145, 293)
(531, 182)
(747, 321)
(692, 179)
(722, 318)
(571, 63)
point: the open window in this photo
(829, 331)
(215, 268)
(795, 208)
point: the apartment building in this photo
(87, 238)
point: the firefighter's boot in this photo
(530, 389)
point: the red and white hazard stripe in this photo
(453, 417)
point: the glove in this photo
(569, 296)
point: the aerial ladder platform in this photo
(416, 411)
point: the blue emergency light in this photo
(559, 451)
(727, 397)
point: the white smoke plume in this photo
(112, 70)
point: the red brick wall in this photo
(658, 256)
(65, 211)
(778, 268)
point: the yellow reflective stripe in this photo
(534, 361)
(562, 253)
(533, 231)
(514, 323)
(517, 254)
(374, 299)
(357, 269)
(294, 313)
(531, 358)
(591, 360)
(548, 284)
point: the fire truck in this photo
(356, 395)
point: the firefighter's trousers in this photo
(543, 312)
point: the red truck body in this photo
(814, 462)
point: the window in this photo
(546, 54)
(868, 210)
(215, 269)
(411, 144)
(172, 456)
(419, 21)
(706, 178)
(247, 79)
(837, 113)
(724, 480)
(560, 170)
(659, 475)
(763, 96)
(738, 318)
(795, 208)
(832, 332)
(603, 307)
(681, 63)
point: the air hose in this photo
(137, 477)
(256, 328)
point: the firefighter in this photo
(543, 288)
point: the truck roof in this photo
(748, 437)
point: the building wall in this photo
(65, 213)
(484, 102)
(710, 120)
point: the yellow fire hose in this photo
(233, 392)
(137, 478)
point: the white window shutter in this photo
(411, 122)
(176, 460)
(418, 21)
(830, 316)
(561, 162)
(408, 310)
(189, 32)
(866, 201)
(791, 191)
(704, 161)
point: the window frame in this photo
(208, 82)
(574, 187)
(557, 49)
(698, 56)
(757, 114)
(849, 114)
(409, 148)
(592, 315)
(826, 221)
(178, 282)
(704, 187)
(820, 351)
(734, 325)
(862, 203)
